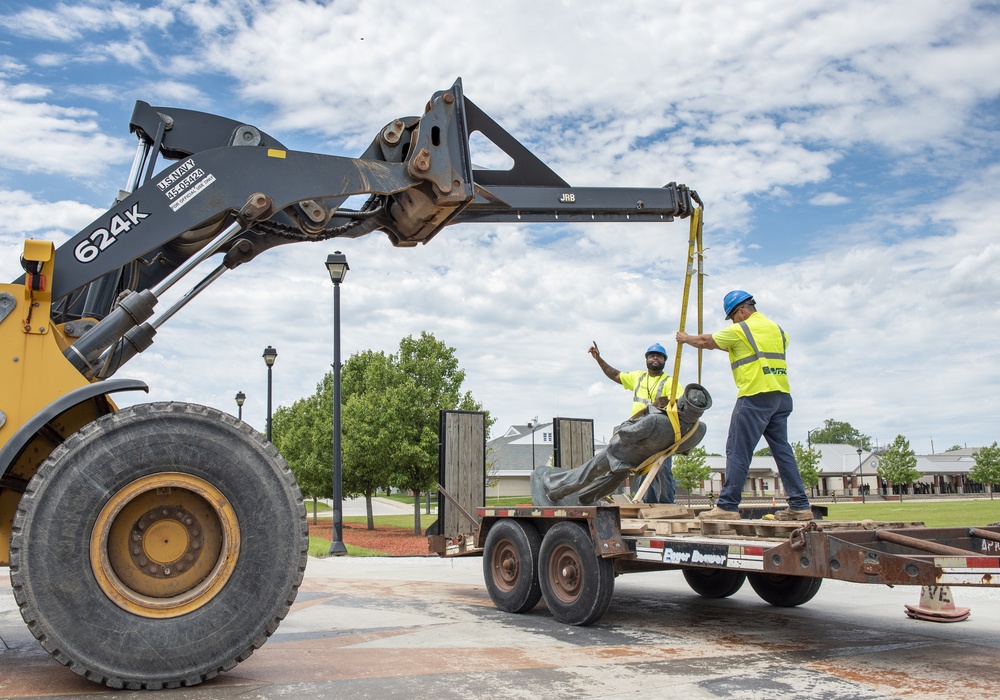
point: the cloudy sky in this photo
(847, 154)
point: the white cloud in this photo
(48, 138)
(66, 22)
(24, 214)
(829, 199)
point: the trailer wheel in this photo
(577, 585)
(784, 591)
(158, 546)
(714, 583)
(510, 565)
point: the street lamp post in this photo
(862, 473)
(240, 398)
(809, 437)
(336, 265)
(270, 354)
(532, 424)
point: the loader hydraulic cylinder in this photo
(130, 312)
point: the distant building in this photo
(843, 471)
(509, 458)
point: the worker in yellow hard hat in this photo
(649, 387)
(756, 347)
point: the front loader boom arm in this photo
(233, 190)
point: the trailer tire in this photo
(577, 585)
(714, 583)
(510, 565)
(783, 590)
(157, 546)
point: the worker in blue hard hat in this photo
(756, 347)
(649, 387)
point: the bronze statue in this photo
(634, 441)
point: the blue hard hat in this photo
(656, 347)
(734, 299)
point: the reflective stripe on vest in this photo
(757, 354)
(656, 394)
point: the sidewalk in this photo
(380, 506)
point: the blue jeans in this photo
(753, 417)
(662, 489)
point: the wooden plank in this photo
(718, 527)
(665, 510)
(634, 527)
(677, 527)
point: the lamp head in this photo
(269, 355)
(336, 265)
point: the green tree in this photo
(390, 409)
(690, 470)
(987, 468)
(953, 448)
(302, 433)
(808, 461)
(371, 388)
(492, 468)
(763, 452)
(836, 432)
(436, 386)
(898, 464)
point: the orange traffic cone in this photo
(937, 605)
(774, 503)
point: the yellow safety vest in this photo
(645, 392)
(758, 363)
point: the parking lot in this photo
(425, 627)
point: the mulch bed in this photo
(390, 541)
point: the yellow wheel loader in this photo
(158, 545)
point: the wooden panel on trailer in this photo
(572, 442)
(461, 469)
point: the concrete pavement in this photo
(425, 627)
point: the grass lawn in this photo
(972, 512)
(318, 547)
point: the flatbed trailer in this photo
(570, 556)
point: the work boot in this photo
(719, 514)
(789, 514)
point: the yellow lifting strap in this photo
(694, 264)
(651, 466)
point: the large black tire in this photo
(510, 565)
(784, 591)
(714, 583)
(158, 546)
(577, 585)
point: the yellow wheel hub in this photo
(165, 545)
